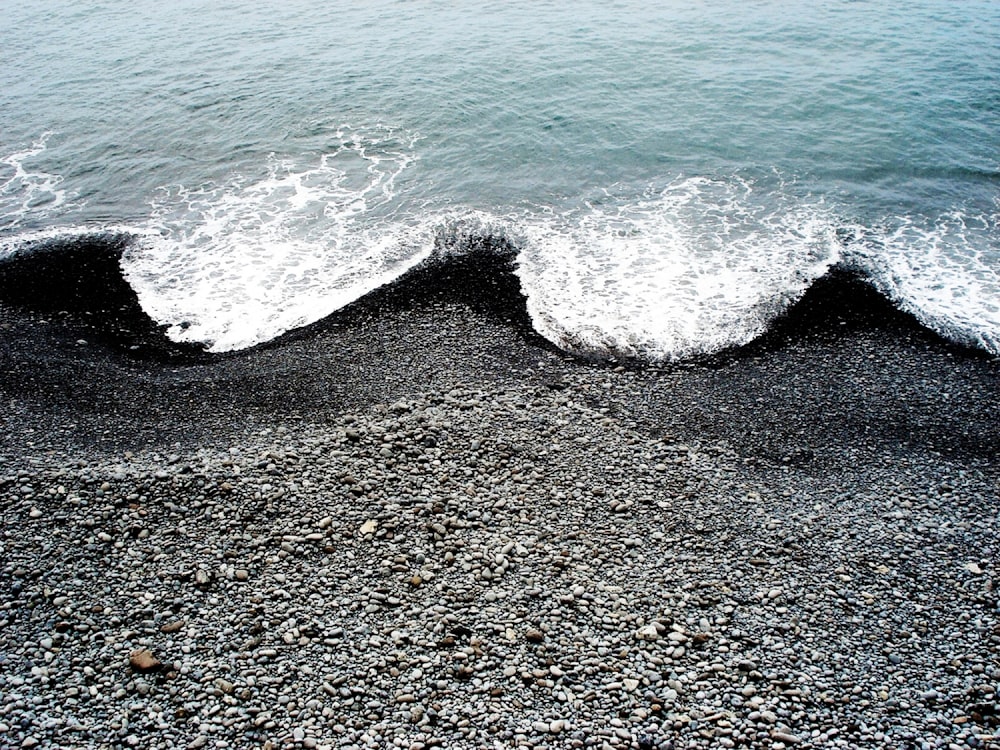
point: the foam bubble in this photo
(946, 272)
(25, 193)
(235, 265)
(699, 267)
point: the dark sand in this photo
(843, 375)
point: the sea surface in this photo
(672, 175)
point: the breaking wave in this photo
(692, 267)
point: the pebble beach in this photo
(500, 376)
(439, 531)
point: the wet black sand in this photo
(843, 373)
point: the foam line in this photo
(27, 193)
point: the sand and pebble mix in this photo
(516, 566)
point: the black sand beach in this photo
(843, 368)
(789, 544)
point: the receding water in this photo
(673, 176)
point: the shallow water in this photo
(673, 177)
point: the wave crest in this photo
(698, 266)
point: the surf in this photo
(684, 268)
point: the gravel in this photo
(512, 567)
(435, 532)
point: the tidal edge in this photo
(78, 282)
(83, 366)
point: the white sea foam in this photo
(27, 193)
(945, 272)
(701, 266)
(235, 265)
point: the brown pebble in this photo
(172, 627)
(142, 660)
(534, 636)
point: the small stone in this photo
(199, 741)
(224, 685)
(971, 567)
(648, 633)
(242, 574)
(202, 577)
(534, 636)
(788, 739)
(416, 581)
(35, 513)
(172, 627)
(142, 660)
(368, 527)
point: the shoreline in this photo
(93, 370)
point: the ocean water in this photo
(673, 175)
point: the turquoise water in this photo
(673, 177)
